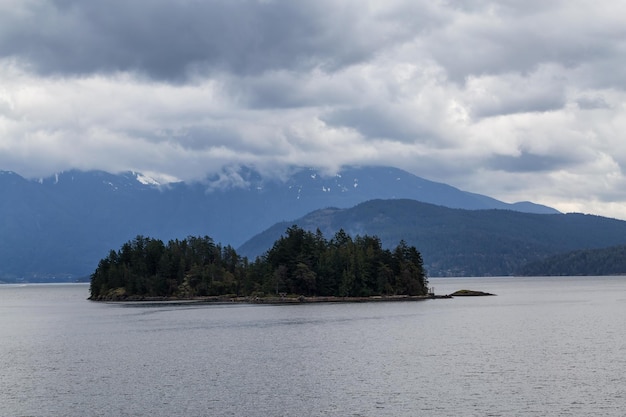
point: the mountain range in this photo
(59, 227)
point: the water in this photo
(543, 346)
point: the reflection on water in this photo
(549, 346)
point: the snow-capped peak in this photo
(145, 180)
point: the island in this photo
(469, 293)
(301, 266)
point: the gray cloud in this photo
(592, 102)
(177, 39)
(528, 162)
(503, 37)
(377, 122)
(518, 100)
(540, 91)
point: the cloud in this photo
(518, 100)
(540, 91)
(527, 162)
(178, 39)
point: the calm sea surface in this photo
(543, 346)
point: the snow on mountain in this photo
(145, 180)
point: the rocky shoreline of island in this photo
(282, 299)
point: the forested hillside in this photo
(607, 261)
(300, 262)
(457, 242)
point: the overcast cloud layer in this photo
(520, 100)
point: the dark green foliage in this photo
(303, 262)
(607, 261)
(146, 267)
(300, 262)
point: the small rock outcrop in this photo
(469, 293)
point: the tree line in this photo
(300, 262)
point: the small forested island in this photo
(300, 265)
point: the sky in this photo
(518, 100)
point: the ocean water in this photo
(542, 346)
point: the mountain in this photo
(61, 226)
(458, 242)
